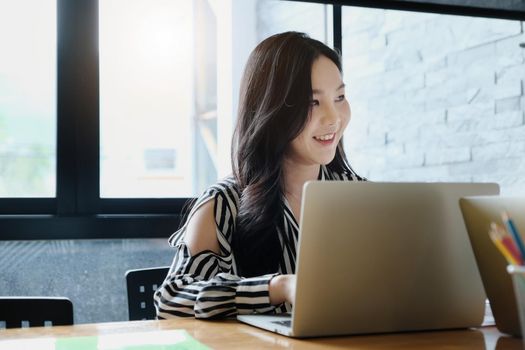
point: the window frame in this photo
(77, 211)
(512, 11)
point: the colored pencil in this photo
(494, 235)
(513, 231)
(507, 241)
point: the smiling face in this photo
(328, 118)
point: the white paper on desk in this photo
(123, 340)
(25, 344)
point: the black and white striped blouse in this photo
(206, 285)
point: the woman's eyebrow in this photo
(318, 91)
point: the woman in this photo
(292, 114)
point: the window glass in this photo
(435, 97)
(276, 16)
(146, 95)
(28, 98)
(169, 80)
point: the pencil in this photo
(511, 228)
(511, 247)
(503, 250)
(507, 241)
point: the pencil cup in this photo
(518, 279)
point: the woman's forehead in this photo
(325, 76)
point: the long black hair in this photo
(274, 107)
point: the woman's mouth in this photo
(325, 139)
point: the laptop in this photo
(478, 213)
(382, 257)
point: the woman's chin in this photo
(325, 160)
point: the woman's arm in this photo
(201, 282)
(282, 289)
(201, 231)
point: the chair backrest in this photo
(141, 284)
(21, 312)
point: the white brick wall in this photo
(446, 92)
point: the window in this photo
(27, 98)
(146, 94)
(146, 98)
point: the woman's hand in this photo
(282, 289)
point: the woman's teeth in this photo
(326, 137)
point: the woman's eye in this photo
(340, 98)
(314, 103)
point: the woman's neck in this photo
(295, 176)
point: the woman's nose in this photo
(331, 115)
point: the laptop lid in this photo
(478, 213)
(385, 257)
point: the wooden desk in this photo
(234, 335)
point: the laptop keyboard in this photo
(283, 323)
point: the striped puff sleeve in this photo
(205, 285)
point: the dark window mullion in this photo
(77, 107)
(88, 121)
(172, 206)
(26, 206)
(42, 227)
(338, 25)
(66, 170)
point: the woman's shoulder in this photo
(225, 192)
(226, 195)
(224, 188)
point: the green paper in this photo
(78, 343)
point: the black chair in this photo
(141, 285)
(22, 312)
